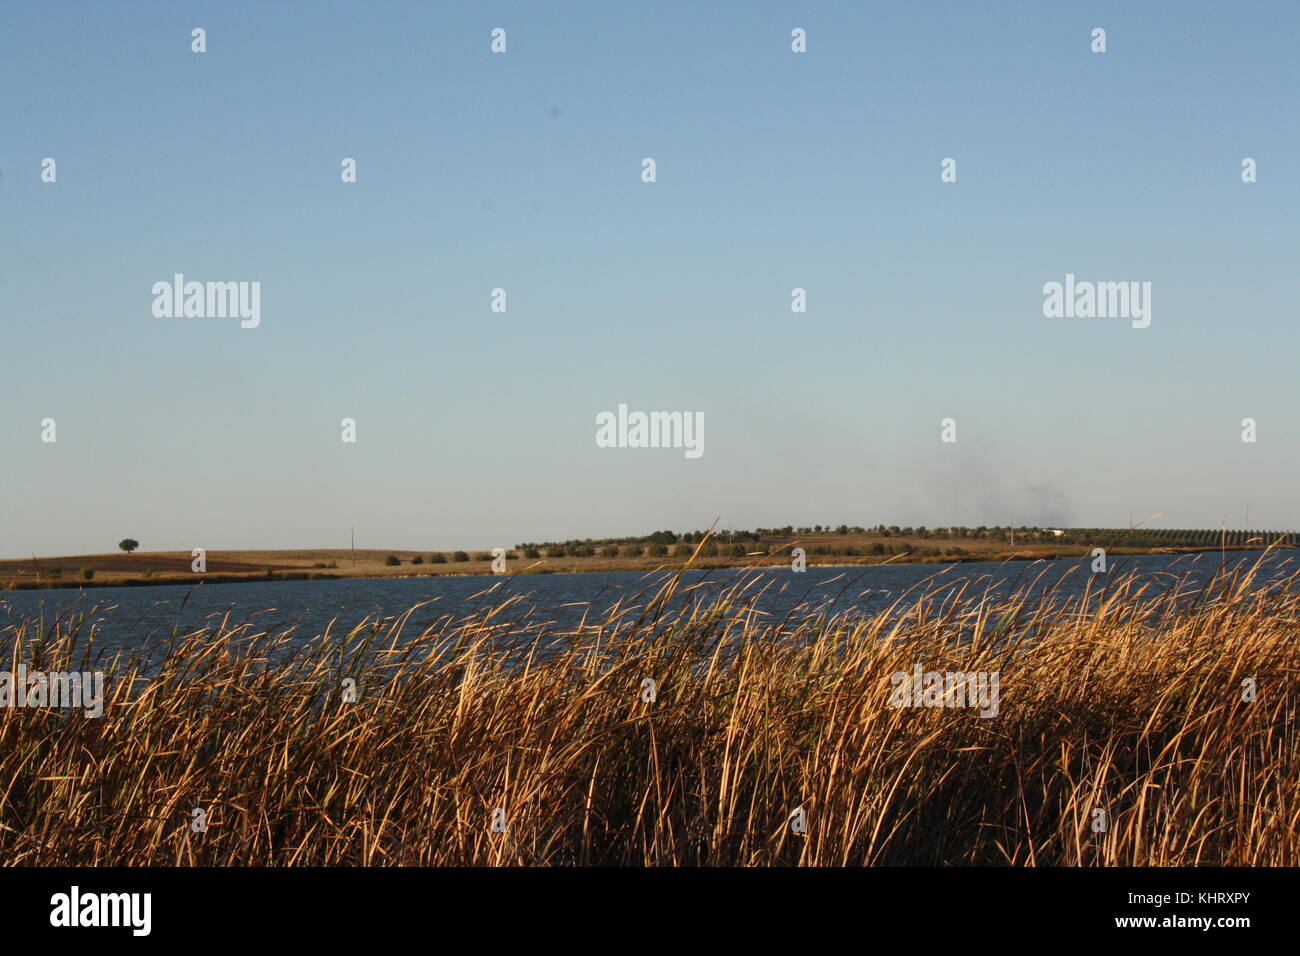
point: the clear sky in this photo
(522, 171)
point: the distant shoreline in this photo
(367, 569)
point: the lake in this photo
(128, 617)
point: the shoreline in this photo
(597, 566)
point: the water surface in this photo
(123, 618)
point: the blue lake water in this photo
(126, 617)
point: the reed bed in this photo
(1126, 701)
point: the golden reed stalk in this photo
(1124, 700)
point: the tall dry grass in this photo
(1127, 701)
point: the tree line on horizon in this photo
(739, 543)
(746, 541)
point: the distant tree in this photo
(418, 559)
(128, 544)
(460, 556)
(392, 560)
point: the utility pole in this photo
(354, 546)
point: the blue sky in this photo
(521, 170)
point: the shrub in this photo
(532, 553)
(683, 551)
(483, 556)
(392, 560)
(658, 550)
(86, 574)
(555, 552)
(417, 560)
(737, 550)
(437, 558)
(460, 556)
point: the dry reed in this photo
(1127, 701)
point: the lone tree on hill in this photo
(128, 544)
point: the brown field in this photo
(173, 567)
